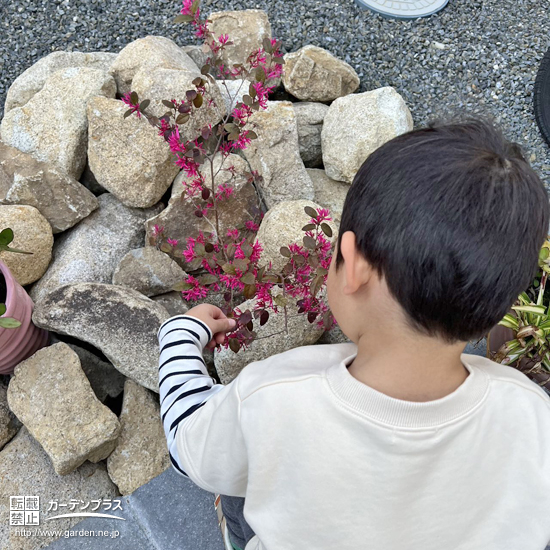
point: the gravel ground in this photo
(478, 56)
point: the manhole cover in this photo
(403, 9)
(541, 97)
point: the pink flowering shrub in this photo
(228, 263)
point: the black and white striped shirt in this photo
(184, 382)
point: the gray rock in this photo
(31, 81)
(149, 271)
(51, 395)
(25, 469)
(32, 233)
(233, 91)
(178, 218)
(172, 302)
(309, 119)
(105, 380)
(61, 199)
(245, 28)
(196, 54)
(91, 250)
(274, 339)
(276, 155)
(151, 52)
(52, 125)
(9, 423)
(141, 452)
(126, 155)
(119, 321)
(358, 124)
(329, 193)
(88, 180)
(167, 84)
(314, 74)
(281, 226)
(333, 336)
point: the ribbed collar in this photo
(407, 414)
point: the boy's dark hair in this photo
(453, 217)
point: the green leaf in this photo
(509, 321)
(195, 6)
(247, 100)
(247, 249)
(207, 279)
(182, 119)
(6, 236)
(280, 300)
(205, 69)
(144, 104)
(197, 102)
(249, 291)
(165, 247)
(248, 278)
(8, 322)
(309, 242)
(127, 113)
(310, 211)
(134, 98)
(536, 310)
(285, 251)
(197, 81)
(260, 74)
(9, 249)
(252, 135)
(182, 285)
(2, 309)
(183, 19)
(241, 264)
(309, 227)
(168, 104)
(326, 229)
(229, 268)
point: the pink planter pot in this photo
(16, 344)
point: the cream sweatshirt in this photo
(326, 462)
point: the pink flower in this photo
(157, 230)
(224, 191)
(126, 98)
(195, 293)
(233, 233)
(223, 39)
(242, 142)
(251, 225)
(173, 242)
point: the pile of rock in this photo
(72, 166)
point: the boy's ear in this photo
(357, 271)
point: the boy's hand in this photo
(216, 321)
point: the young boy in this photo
(396, 440)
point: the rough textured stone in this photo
(167, 84)
(151, 52)
(333, 336)
(51, 395)
(105, 380)
(196, 54)
(126, 155)
(173, 302)
(141, 452)
(178, 218)
(300, 333)
(32, 233)
(309, 119)
(31, 81)
(233, 91)
(61, 199)
(9, 423)
(52, 125)
(149, 271)
(246, 29)
(275, 154)
(119, 321)
(25, 469)
(91, 250)
(329, 193)
(313, 74)
(358, 124)
(281, 226)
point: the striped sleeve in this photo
(184, 382)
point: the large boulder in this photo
(178, 218)
(271, 339)
(9, 423)
(276, 155)
(149, 271)
(51, 395)
(127, 156)
(309, 119)
(61, 199)
(26, 469)
(52, 125)
(313, 74)
(149, 53)
(247, 29)
(358, 124)
(31, 81)
(141, 452)
(281, 226)
(119, 321)
(168, 84)
(92, 249)
(329, 193)
(32, 233)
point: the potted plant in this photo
(19, 337)
(521, 339)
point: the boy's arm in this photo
(201, 418)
